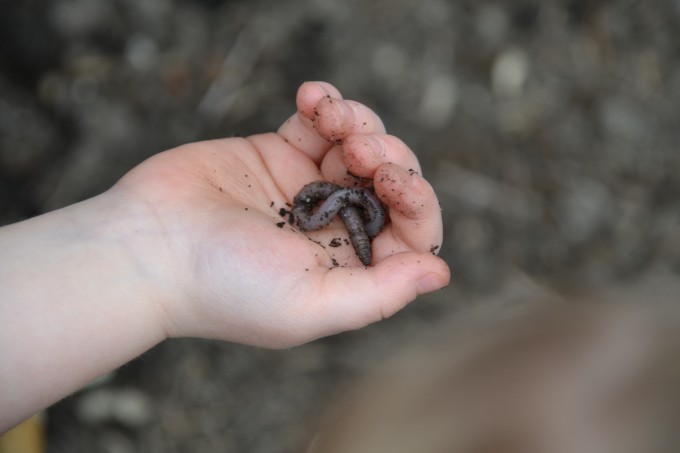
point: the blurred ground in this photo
(549, 130)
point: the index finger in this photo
(324, 118)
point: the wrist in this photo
(77, 289)
(125, 234)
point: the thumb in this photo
(357, 297)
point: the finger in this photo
(279, 159)
(362, 154)
(310, 93)
(333, 169)
(298, 130)
(352, 298)
(324, 118)
(414, 211)
(336, 119)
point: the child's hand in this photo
(191, 243)
(221, 264)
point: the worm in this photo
(359, 209)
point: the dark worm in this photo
(359, 209)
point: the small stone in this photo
(129, 407)
(509, 73)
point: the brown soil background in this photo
(549, 130)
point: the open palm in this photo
(239, 273)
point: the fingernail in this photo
(428, 283)
(376, 146)
(322, 88)
(344, 109)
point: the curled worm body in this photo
(359, 209)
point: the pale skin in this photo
(186, 244)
